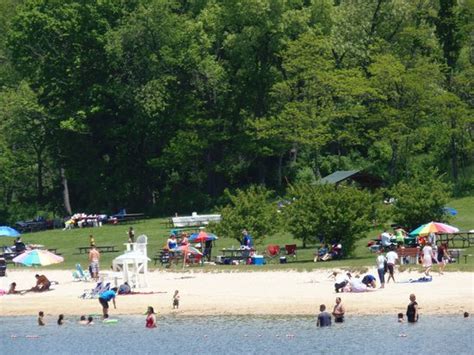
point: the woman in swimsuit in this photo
(150, 318)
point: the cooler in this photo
(258, 260)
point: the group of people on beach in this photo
(42, 285)
(346, 283)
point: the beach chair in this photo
(272, 252)
(96, 291)
(80, 275)
(290, 250)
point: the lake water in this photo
(239, 335)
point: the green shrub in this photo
(334, 215)
(420, 200)
(251, 209)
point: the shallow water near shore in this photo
(238, 335)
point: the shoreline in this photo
(257, 293)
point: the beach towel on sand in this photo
(421, 279)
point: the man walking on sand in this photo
(392, 258)
(381, 261)
(94, 257)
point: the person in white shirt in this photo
(428, 256)
(386, 239)
(341, 281)
(357, 285)
(392, 258)
(380, 261)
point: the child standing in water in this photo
(412, 310)
(176, 299)
(41, 318)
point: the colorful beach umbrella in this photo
(37, 257)
(202, 237)
(8, 232)
(433, 227)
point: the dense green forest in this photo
(161, 105)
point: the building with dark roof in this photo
(362, 179)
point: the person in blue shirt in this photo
(247, 239)
(172, 242)
(369, 281)
(324, 318)
(105, 298)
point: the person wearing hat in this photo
(150, 318)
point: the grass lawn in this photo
(157, 231)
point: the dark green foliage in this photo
(252, 209)
(161, 105)
(330, 214)
(420, 200)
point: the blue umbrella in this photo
(8, 232)
(451, 211)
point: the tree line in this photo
(161, 105)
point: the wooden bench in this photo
(411, 253)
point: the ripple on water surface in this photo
(239, 335)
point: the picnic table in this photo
(467, 238)
(237, 254)
(102, 249)
(54, 251)
(167, 257)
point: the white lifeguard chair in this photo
(134, 263)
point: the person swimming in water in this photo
(150, 318)
(41, 318)
(400, 318)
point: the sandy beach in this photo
(242, 293)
